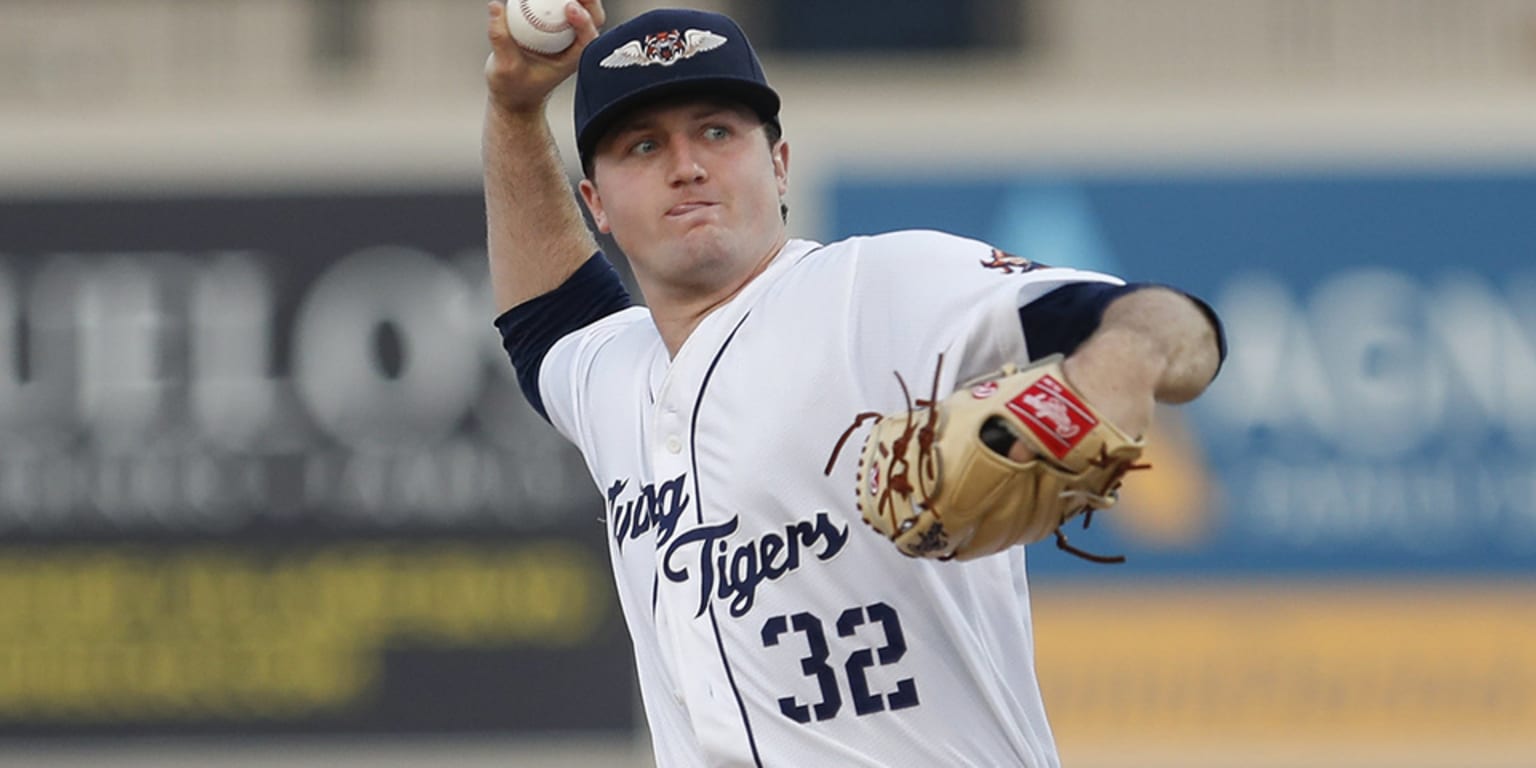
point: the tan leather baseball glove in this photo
(937, 479)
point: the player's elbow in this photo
(1180, 332)
(1192, 365)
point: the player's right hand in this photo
(520, 80)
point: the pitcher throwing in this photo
(775, 394)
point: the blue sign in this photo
(1377, 412)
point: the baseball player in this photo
(770, 627)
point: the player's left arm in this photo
(1152, 344)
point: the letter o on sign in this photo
(337, 369)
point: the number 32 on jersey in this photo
(879, 619)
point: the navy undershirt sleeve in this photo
(528, 330)
(1064, 318)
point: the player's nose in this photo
(686, 167)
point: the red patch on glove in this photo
(1054, 414)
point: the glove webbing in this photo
(925, 435)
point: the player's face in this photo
(690, 191)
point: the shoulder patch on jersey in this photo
(1009, 263)
(665, 48)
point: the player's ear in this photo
(594, 203)
(780, 152)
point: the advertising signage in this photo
(264, 468)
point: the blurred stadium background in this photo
(268, 495)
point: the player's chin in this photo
(698, 232)
(703, 246)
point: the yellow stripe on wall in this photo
(1340, 664)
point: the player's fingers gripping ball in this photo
(937, 480)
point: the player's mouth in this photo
(688, 207)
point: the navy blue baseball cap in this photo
(664, 53)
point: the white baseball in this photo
(540, 25)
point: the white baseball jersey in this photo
(770, 626)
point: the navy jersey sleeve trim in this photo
(528, 330)
(1064, 318)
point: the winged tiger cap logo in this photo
(664, 48)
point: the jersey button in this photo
(674, 445)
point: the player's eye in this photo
(643, 147)
(716, 132)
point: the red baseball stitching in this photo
(535, 22)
